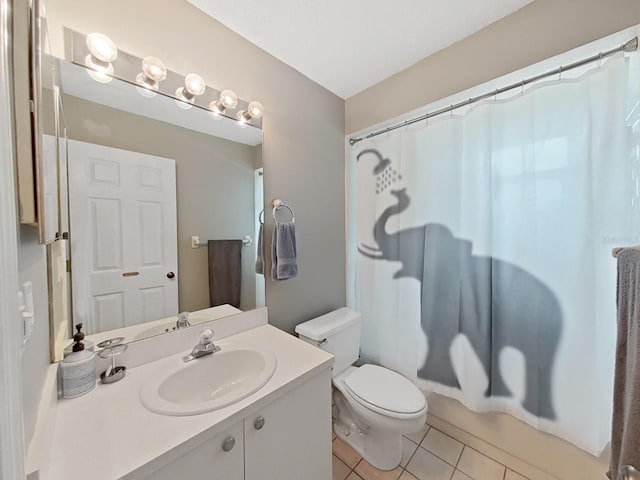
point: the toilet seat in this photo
(385, 392)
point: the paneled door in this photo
(123, 236)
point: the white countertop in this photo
(107, 434)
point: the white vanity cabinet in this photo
(289, 438)
(221, 458)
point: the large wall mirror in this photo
(164, 209)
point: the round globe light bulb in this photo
(100, 72)
(228, 99)
(216, 110)
(153, 68)
(194, 84)
(242, 119)
(255, 109)
(181, 100)
(146, 82)
(102, 47)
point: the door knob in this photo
(171, 275)
(228, 443)
(259, 423)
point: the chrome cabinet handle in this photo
(259, 423)
(228, 444)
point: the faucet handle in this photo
(206, 336)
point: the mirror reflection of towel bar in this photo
(195, 241)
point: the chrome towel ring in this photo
(277, 204)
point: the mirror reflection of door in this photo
(124, 236)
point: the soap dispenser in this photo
(78, 369)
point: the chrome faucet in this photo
(204, 347)
(183, 320)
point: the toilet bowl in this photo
(373, 405)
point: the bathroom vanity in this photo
(280, 432)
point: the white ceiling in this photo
(349, 45)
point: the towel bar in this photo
(277, 203)
(195, 241)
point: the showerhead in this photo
(382, 162)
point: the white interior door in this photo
(123, 236)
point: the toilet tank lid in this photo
(329, 324)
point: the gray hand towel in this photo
(625, 434)
(283, 252)
(260, 251)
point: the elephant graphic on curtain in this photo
(492, 302)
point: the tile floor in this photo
(427, 455)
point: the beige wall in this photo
(541, 30)
(303, 149)
(32, 265)
(538, 31)
(214, 187)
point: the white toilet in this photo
(375, 405)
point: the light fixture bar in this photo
(150, 81)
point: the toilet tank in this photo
(338, 333)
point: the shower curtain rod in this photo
(629, 46)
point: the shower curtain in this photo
(480, 249)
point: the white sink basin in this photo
(210, 382)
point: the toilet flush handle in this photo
(322, 342)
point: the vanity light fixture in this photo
(254, 110)
(102, 52)
(193, 86)
(153, 72)
(227, 100)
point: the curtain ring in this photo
(600, 60)
(522, 87)
(495, 95)
(451, 110)
(560, 73)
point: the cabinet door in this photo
(209, 461)
(290, 439)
